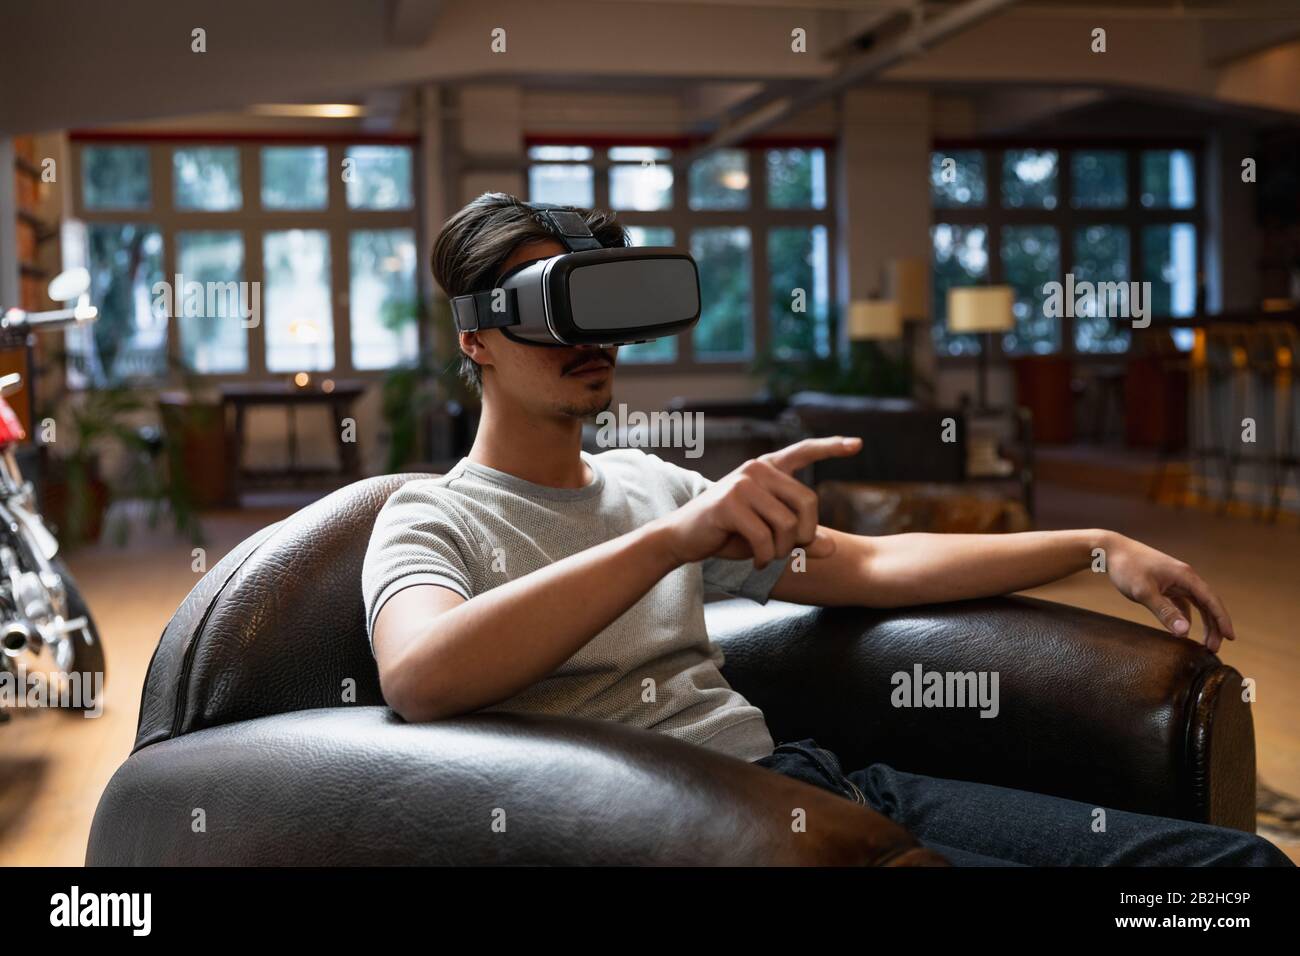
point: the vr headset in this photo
(589, 295)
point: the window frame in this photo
(1066, 219)
(252, 221)
(758, 218)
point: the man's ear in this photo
(474, 345)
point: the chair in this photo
(262, 719)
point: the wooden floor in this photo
(54, 766)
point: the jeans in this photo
(977, 824)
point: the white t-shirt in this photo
(475, 528)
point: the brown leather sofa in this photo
(262, 718)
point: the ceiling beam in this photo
(910, 43)
(411, 22)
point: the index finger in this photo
(803, 453)
(1210, 606)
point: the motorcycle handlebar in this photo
(19, 320)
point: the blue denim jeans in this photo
(977, 824)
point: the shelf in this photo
(25, 165)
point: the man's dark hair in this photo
(476, 242)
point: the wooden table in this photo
(240, 396)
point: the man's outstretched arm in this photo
(908, 569)
(440, 655)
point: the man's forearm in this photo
(918, 568)
(512, 636)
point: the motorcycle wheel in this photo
(88, 654)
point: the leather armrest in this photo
(1090, 707)
(357, 786)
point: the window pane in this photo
(1101, 255)
(561, 183)
(297, 314)
(378, 177)
(211, 315)
(726, 285)
(649, 235)
(799, 259)
(796, 178)
(639, 154)
(207, 178)
(129, 339)
(961, 257)
(1029, 178)
(560, 152)
(720, 180)
(1100, 179)
(647, 186)
(293, 177)
(656, 350)
(957, 179)
(1031, 257)
(382, 298)
(1169, 264)
(115, 177)
(1168, 179)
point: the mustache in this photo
(590, 358)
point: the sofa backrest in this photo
(277, 625)
(901, 440)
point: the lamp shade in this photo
(907, 281)
(982, 308)
(875, 319)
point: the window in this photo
(207, 179)
(378, 177)
(382, 297)
(125, 262)
(726, 291)
(299, 333)
(640, 178)
(210, 340)
(1031, 258)
(561, 174)
(756, 219)
(293, 177)
(1074, 214)
(1100, 179)
(799, 294)
(1029, 179)
(242, 260)
(1101, 254)
(115, 177)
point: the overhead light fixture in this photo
(310, 110)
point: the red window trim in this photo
(359, 138)
(605, 140)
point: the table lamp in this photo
(874, 320)
(982, 309)
(907, 280)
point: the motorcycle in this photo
(47, 635)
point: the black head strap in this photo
(497, 308)
(570, 228)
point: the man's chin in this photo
(588, 405)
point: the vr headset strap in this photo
(570, 228)
(474, 312)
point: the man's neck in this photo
(541, 449)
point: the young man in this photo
(535, 577)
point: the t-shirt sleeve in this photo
(735, 576)
(418, 538)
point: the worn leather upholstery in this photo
(262, 710)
